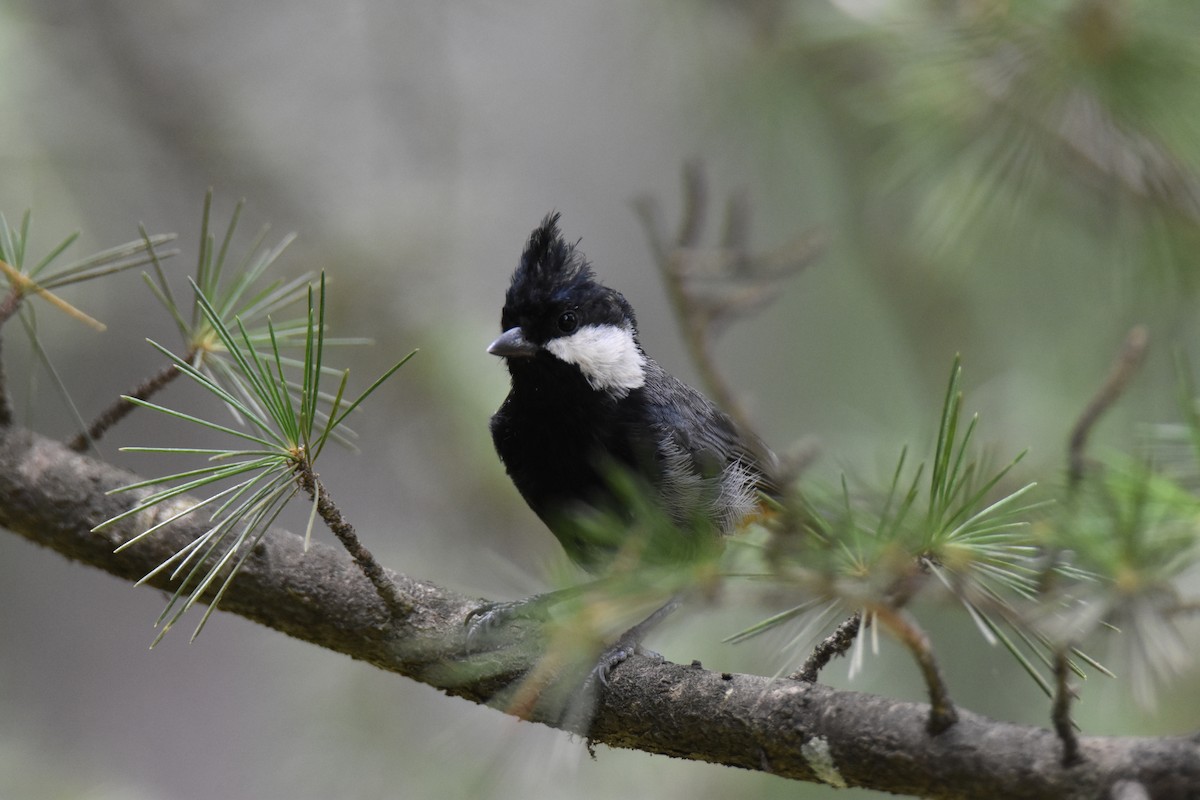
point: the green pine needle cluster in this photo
(23, 276)
(46, 274)
(234, 289)
(957, 524)
(282, 424)
(1136, 533)
(1040, 577)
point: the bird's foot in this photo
(487, 618)
(630, 642)
(613, 657)
(490, 616)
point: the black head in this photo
(555, 279)
(555, 309)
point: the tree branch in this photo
(835, 644)
(54, 496)
(398, 605)
(1133, 350)
(122, 407)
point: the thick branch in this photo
(54, 496)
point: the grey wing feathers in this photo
(707, 464)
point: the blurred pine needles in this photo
(23, 278)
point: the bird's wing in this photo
(683, 420)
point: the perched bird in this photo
(586, 398)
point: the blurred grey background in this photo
(1012, 183)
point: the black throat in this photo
(554, 433)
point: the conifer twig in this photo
(1064, 726)
(942, 713)
(835, 644)
(397, 605)
(1126, 363)
(123, 406)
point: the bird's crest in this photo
(549, 266)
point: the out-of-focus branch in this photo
(710, 287)
(1119, 375)
(122, 407)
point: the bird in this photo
(585, 399)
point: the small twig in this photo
(123, 406)
(695, 205)
(695, 318)
(397, 605)
(708, 287)
(942, 713)
(735, 238)
(1061, 714)
(1123, 367)
(835, 644)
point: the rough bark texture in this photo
(54, 496)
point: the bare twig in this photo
(123, 406)
(942, 713)
(695, 205)
(710, 287)
(1130, 357)
(1061, 714)
(398, 605)
(835, 644)
(1123, 367)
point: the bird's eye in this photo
(568, 322)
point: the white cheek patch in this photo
(606, 355)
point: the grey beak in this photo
(513, 344)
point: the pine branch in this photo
(53, 496)
(835, 644)
(1061, 715)
(398, 606)
(1130, 357)
(942, 713)
(123, 406)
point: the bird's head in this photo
(555, 313)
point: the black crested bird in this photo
(586, 399)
